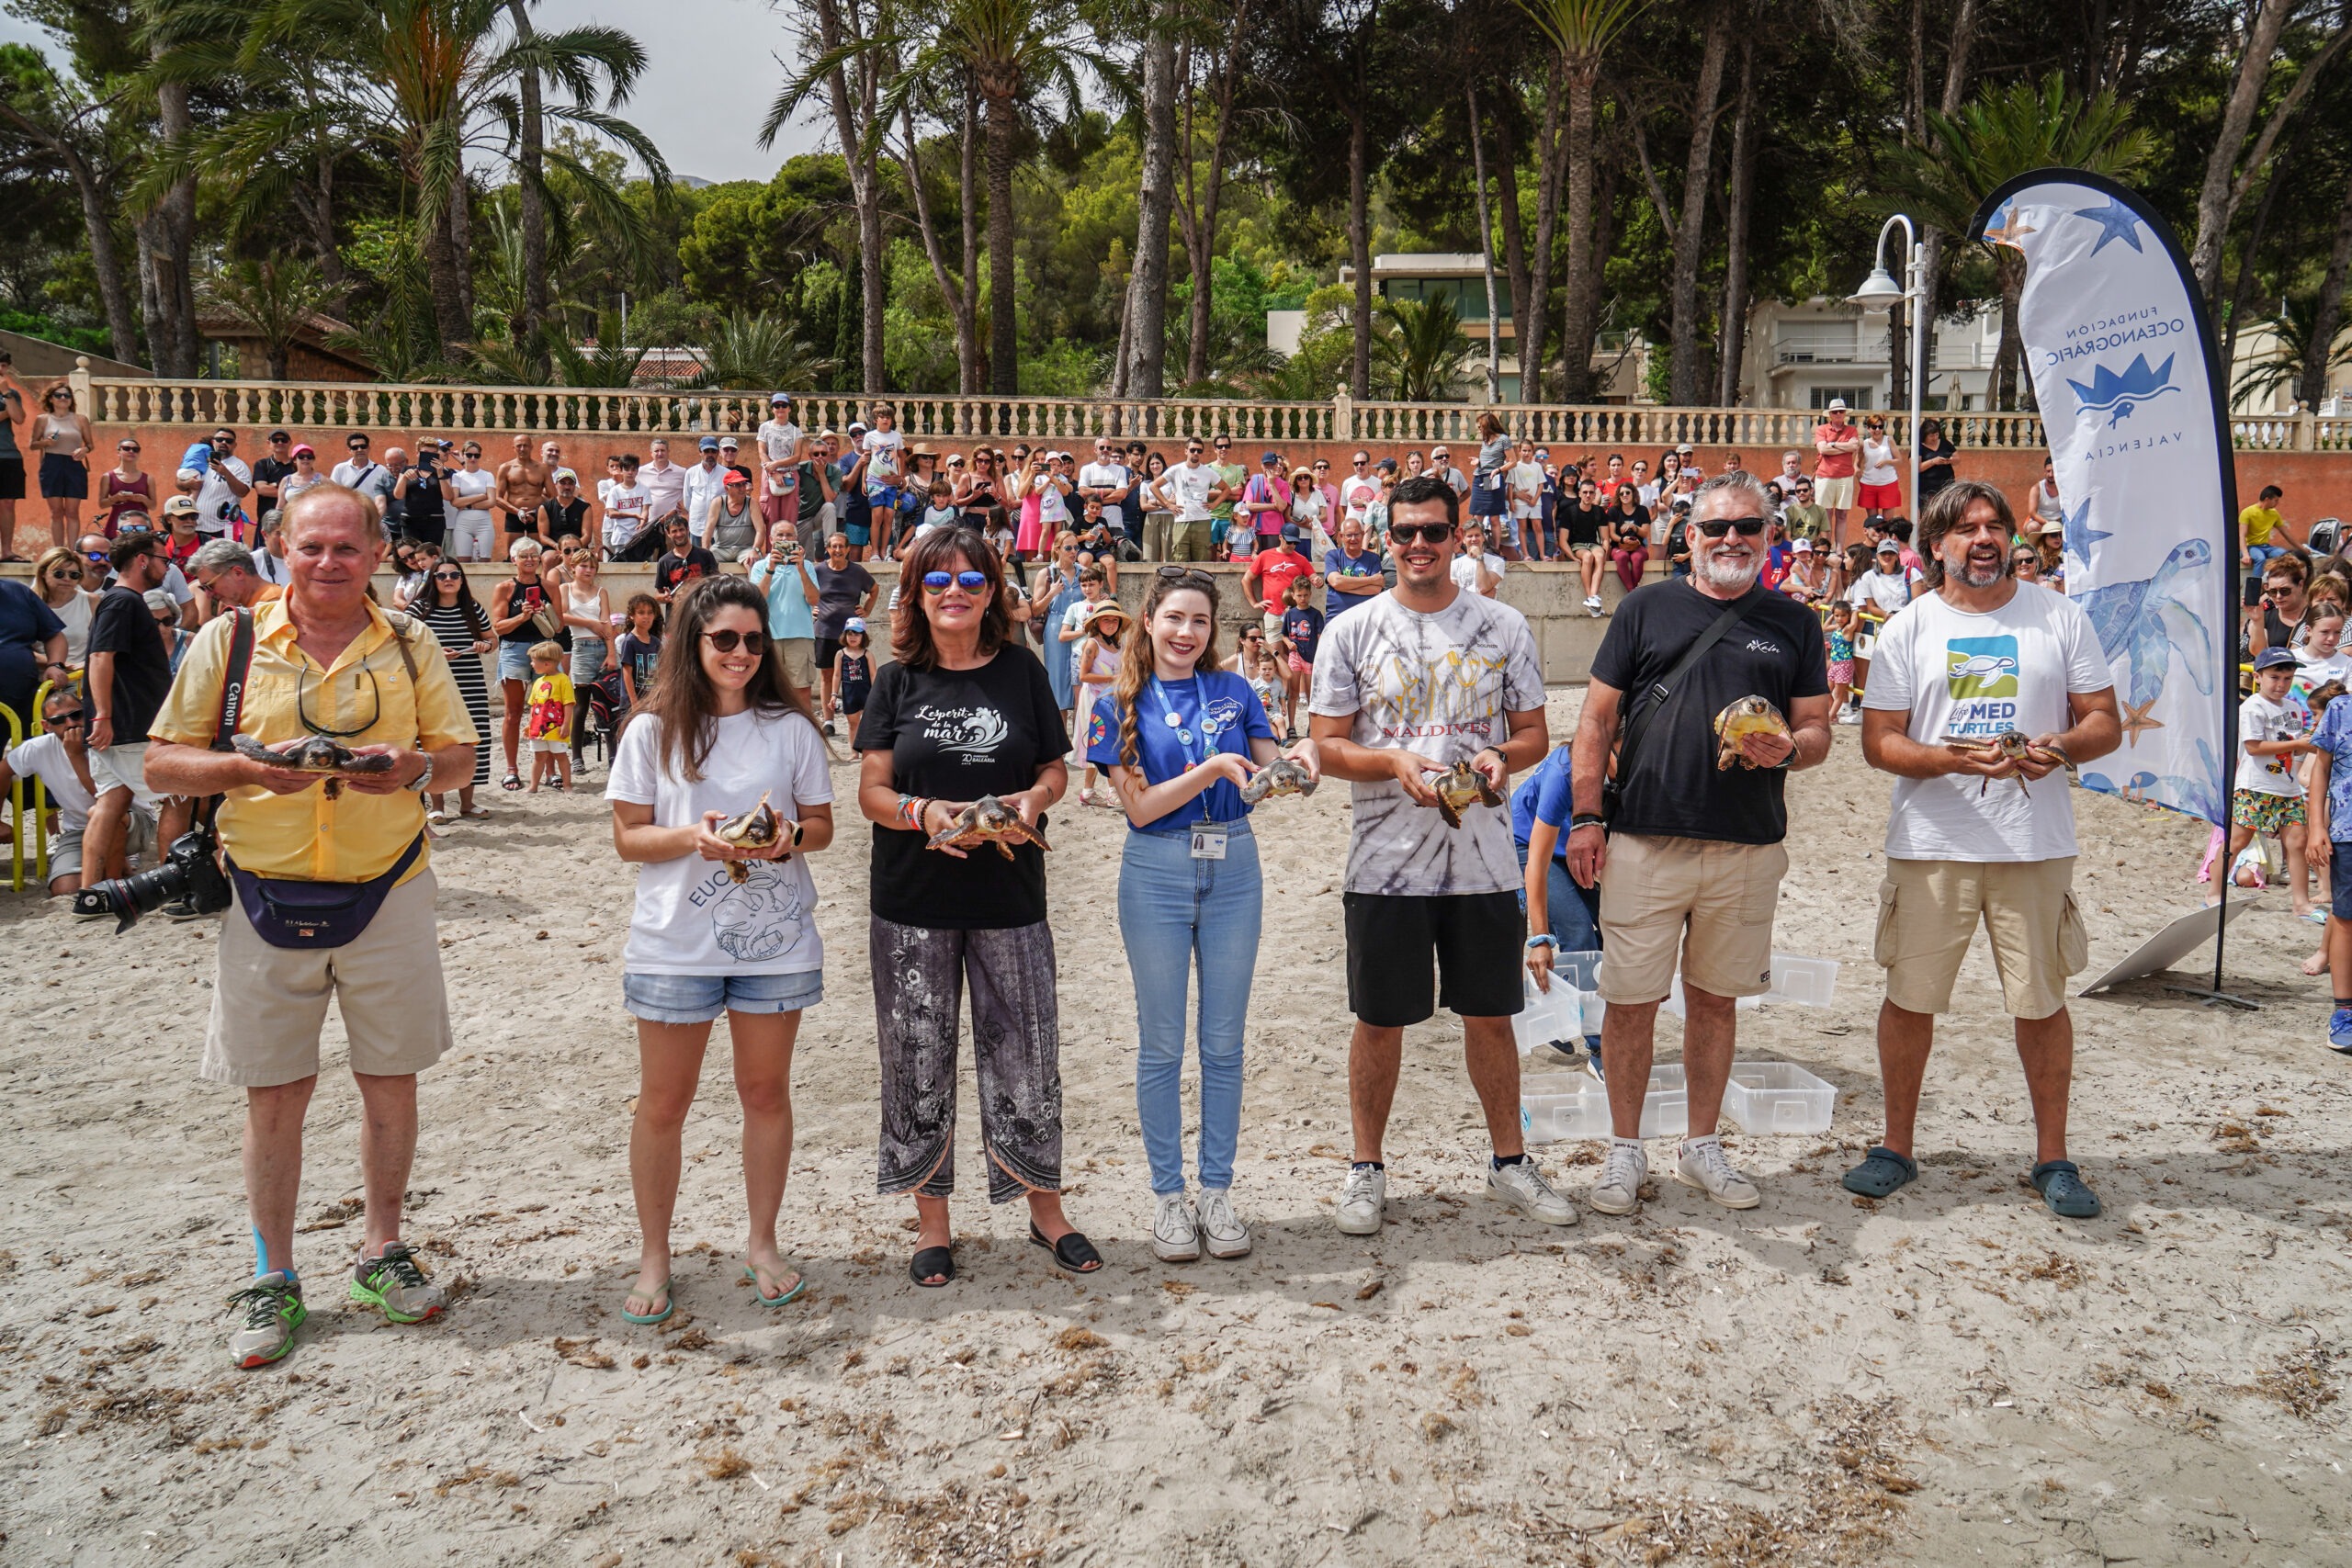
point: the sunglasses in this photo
(448, 577)
(970, 582)
(1187, 575)
(730, 639)
(63, 576)
(1716, 527)
(66, 721)
(127, 447)
(1430, 533)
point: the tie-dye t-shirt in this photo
(1440, 685)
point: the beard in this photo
(1718, 573)
(1974, 574)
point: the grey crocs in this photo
(2063, 1187)
(1882, 1173)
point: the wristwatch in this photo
(419, 783)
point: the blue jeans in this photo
(2260, 555)
(1575, 911)
(1171, 907)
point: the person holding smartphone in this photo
(785, 576)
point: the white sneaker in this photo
(1592, 603)
(1704, 1164)
(1228, 1236)
(1361, 1201)
(1851, 716)
(1619, 1190)
(1523, 1188)
(1173, 1240)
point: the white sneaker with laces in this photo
(1703, 1163)
(1173, 1240)
(1523, 1188)
(1619, 1190)
(1361, 1201)
(1225, 1234)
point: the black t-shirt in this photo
(671, 571)
(838, 595)
(269, 471)
(1673, 788)
(1639, 517)
(958, 735)
(124, 626)
(565, 521)
(420, 501)
(1583, 523)
(1933, 479)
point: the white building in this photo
(1800, 356)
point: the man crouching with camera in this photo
(332, 895)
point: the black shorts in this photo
(62, 479)
(12, 479)
(1477, 940)
(826, 648)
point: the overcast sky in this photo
(711, 73)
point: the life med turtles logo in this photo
(1981, 667)
(2116, 396)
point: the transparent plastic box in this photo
(1546, 1015)
(1778, 1097)
(1582, 968)
(1808, 981)
(1563, 1107)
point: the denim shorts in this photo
(514, 660)
(698, 999)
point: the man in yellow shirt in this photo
(325, 661)
(2257, 525)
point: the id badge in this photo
(1208, 843)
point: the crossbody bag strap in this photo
(1662, 690)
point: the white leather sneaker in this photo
(1703, 1163)
(1361, 1201)
(1523, 1188)
(1173, 1238)
(1619, 1190)
(1220, 1226)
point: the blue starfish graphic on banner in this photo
(2080, 535)
(2116, 221)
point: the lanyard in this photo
(1198, 740)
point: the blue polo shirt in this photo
(788, 611)
(1543, 797)
(1240, 717)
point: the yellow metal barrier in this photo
(16, 807)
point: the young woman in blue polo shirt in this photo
(1178, 736)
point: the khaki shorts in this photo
(1834, 495)
(1653, 890)
(1927, 914)
(1189, 541)
(269, 1003)
(66, 846)
(799, 656)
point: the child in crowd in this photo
(1301, 627)
(1838, 630)
(852, 675)
(548, 720)
(2329, 780)
(941, 511)
(1266, 680)
(1092, 587)
(636, 652)
(1098, 666)
(2269, 799)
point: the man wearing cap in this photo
(1266, 506)
(1982, 835)
(701, 485)
(1837, 441)
(522, 484)
(781, 443)
(1271, 570)
(129, 673)
(271, 471)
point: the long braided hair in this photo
(1141, 658)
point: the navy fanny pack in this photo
(316, 914)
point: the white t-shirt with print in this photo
(1356, 493)
(1979, 676)
(1888, 590)
(779, 440)
(1190, 483)
(2259, 718)
(1439, 685)
(884, 457)
(691, 917)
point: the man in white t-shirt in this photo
(1106, 479)
(1474, 567)
(705, 483)
(227, 482)
(665, 486)
(58, 758)
(1191, 488)
(363, 473)
(1982, 831)
(1359, 490)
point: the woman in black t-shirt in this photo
(964, 713)
(1627, 525)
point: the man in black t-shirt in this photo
(682, 562)
(419, 494)
(129, 673)
(271, 471)
(563, 515)
(1694, 846)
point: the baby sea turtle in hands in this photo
(2009, 743)
(1457, 787)
(989, 821)
(1749, 716)
(755, 830)
(315, 754)
(1277, 778)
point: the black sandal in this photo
(932, 1260)
(1073, 1252)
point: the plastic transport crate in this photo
(1563, 1107)
(1778, 1097)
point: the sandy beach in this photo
(1952, 1376)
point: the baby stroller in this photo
(607, 706)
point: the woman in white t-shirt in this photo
(717, 926)
(469, 497)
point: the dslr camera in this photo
(190, 870)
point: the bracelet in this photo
(1536, 942)
(1585, 819)
(911, 810)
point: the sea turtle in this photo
(315, 754)
(1457, 787)
(2009, 743)
(989, 821)
(1748, 716)
(2143, 622)
(1277, 778)
(756, 828)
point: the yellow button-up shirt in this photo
(308, 837)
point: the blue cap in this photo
(2274, 658)
(1271, 457)
(775, 398)
(710, 443)
(854, 623)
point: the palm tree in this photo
(2293, 344)
(750, 350)
(1421, 347)
(422, 83)
(275, 300)
(2005, 132)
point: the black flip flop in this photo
(932, 1260)
(1073, 1252)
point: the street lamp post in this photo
(1880, 288)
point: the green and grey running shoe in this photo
(395, 1284)
(274, 1311)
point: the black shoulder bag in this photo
(1638, 715)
